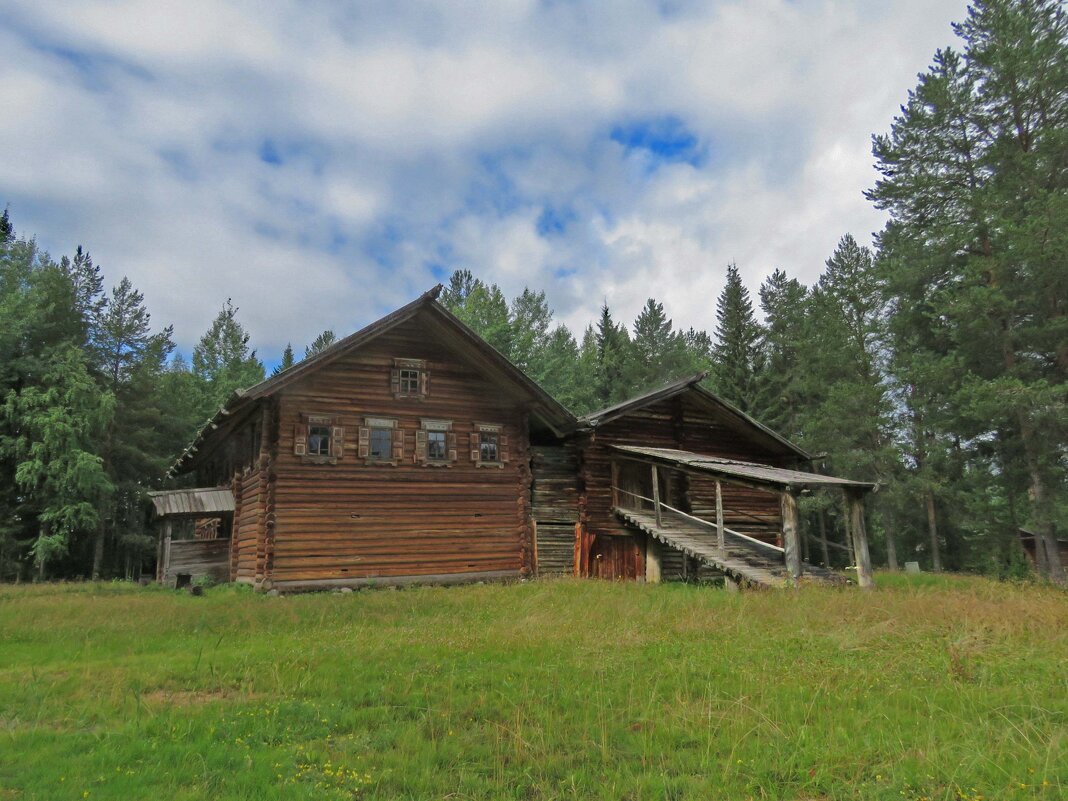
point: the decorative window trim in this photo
(422, 379)
(496, 429)
(302, 433)
(422, 439)
(396, 440)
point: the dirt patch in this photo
(183, 698)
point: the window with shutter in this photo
(385, 441)
(489, 445)
(319, 439)
(432, 443)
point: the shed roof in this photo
(748, 472)
(192, 502)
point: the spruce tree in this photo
(287, 360)
(736, 353)
(656, 353)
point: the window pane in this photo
(319, 440)
(381, 443)
(409, 381)
(488, 448)
(435, 445)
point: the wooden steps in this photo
(740, 560)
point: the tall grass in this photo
(945, 689)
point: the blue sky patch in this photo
(665, 139)
(554, 220)
(269, 153)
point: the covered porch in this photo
(193, 528)
(645, 497)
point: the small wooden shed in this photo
(193, 534)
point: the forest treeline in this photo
(935, 363)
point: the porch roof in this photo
(198, 502)
(777, 478)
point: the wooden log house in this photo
(413, 452)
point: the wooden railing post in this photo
(615, 484)
(656, 498)
(855, 504)
(721, 539)
(791, 542)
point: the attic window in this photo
(410, 378)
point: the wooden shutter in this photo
(337, 442)
(300, 439)
(450, 444)
(364, 441)
(424, 382)
(502, 448)
(394, 381)
(420, 446)
(474, 447)
(398, 444)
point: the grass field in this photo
(943, 688)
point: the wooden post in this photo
(721, 536)
(159, 552)
(791, 543)
(656, 498)
(167, 531)
(652, 561)
(615, 484)
(855, 502)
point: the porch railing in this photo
(658, 507)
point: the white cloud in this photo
(319, 162)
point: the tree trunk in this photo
(932, 529)
(891, 546)
(1045, 539)
(823, 538)
(98, 552)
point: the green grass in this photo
(937, 688)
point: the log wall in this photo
(351, 521)
(197, 558)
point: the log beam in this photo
(791, 540)
(855, 504)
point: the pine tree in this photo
(223, 361)
(736, 353)
(531, 319)
(973, 179)
(319, 344)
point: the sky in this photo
(322, 163)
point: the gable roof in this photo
(692, 386)
(547, 408)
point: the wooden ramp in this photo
(740, 559)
